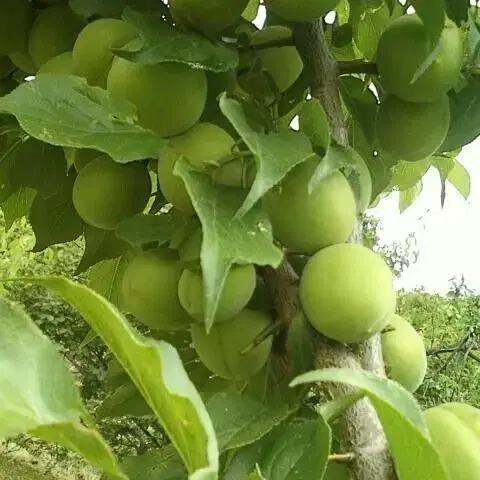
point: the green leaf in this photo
(460, 179)
(142, 229)
(239, 420)
(17, 205)
(158, 373)
(256, 474)
(104, 8)
(465, 112)
(227, 239)
(401, 418)
(126, 400)
(408, 174)
(408, 196)
(50, 409)
(8, 148)
(54, 219)
(432, 13)
(361, 103)
(457, 10)
(99, 245)
(106, 279)
(164, 464)
(164, 43)
(314, 124)
(251, 10)
(63, 110)
(300, 451)
(276, 154)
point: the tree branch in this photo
(363, 433)
(341, 457)
(357, 66)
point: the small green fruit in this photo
(16, 16)
(404, 47)
(306, 221)
(81, 156)
(469, 415)
(106, 192)
(301, 10)
(22, 60)
(170, 97)
(60, 64)
(209, 16)
(221, 350)
(149, 290)
(237, 292)
(456, 443)
(92, 52)
(53, 32)
(404, 353)
(412, 131)
(347, 294)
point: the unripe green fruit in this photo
(308, 222)
(170, 97)
(22, 60)
(469, 415)
(203, 145)
(404, 353)
(209, 16)
(60, 64)
(106, 192)
(412, 131)
(80, 157)
(53, 32)
(149, 290)
(456, 443)
(16, 16)
(284, 64)
(301, 10)
(404, 47)
(220, 351)
(92, 52)
(237, 292)
(347, 294)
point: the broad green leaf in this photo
(465, 122)
(164, 464)
(142, 229)
(401, 418)
(251, 11)
(227, 239)
(257, 474)
(432, 13)
(239, 420)
(460, 179)
(106, 279)
(361, 103)
(164, 43)
(157, 371)
(54, 219)
(104, 8)
(8, 148)
(444, 165)
(333, 409)
(300, 451)
(17, 205)
(99, 245)
(457, 10)
(408, 196)
(408, 174)
(51, 408)
(63, 110)
(314, 124)
(126, 400)
(276, 153)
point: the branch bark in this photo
(357, 66)
(363, 433)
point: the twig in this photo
(357, 66)
(458, 348)
(281, 42)
(341, 457)
(270, 330)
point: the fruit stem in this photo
(272, 329)
(341, 457)
(281, 42)
(357, 66)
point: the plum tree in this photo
(404, 353)
(456, 443)
(237, 292)
(16, 16)
(209, 16)
(53, 32)
(158, 92)
(59, 64)
(412, 131)
(408, 38)
(301, 10)
(149, 290)
(221, 349)
(106, 192)
(203, 145)
(310, 221)
(92, 53)
(346, 291)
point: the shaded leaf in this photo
(276, 154)
(401, 418)
(63, 110)
(408, 174)
(106, 279)
(432, 13)
(457, 10)
(17, 205)
(126, 400)
(158, 373)
(251, 11)
(314, 124)
(164, 464)
(408, 196)
(104, 8)
(165, 43)
(227, 239)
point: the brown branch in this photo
(281, 42)
(363, 433)
(357, 66)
